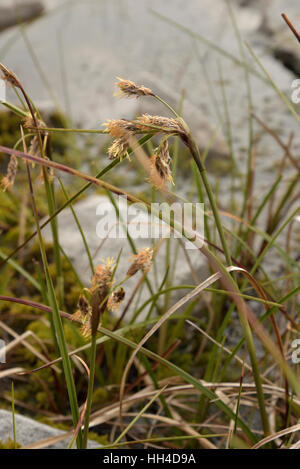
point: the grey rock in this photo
(94, 213)
(19, 12)
(102, 40)
(278, 37)
(29, 431)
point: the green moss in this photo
(47, 421)
(101, 439)
(40, 329)
(101, 396)
(9, 444)
(9, 128)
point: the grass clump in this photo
(209, 369)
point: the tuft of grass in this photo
(181, 367)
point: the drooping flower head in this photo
(10, 76)
(121, 130)
(129, 89)
(141, 261)
(160, 162)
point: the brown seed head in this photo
(120, 127)
(83, 314)
(158, 124)
(86, 329)
(10, 76)
(34, 147)
(129, 89)
(9, 179)
(122, 130)
(100, 286)
(141, 261)
(118, 148)
(29, 123)
(83, 306)
(102, 276)
(115, 300)
(160, 162)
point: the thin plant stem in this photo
(90, 390)
(57, 321)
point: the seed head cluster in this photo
(10, 76)
(141, 261)
(122, 129)
(29, 123)
(129, 89)
(89, 311)
(160, 162)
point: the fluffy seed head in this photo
(160, 162)
(120, 127)
(83, 314)
(122, 130)
(141, 261)
(158, 124)
(102, 276)
(129, 89)
(118, 148)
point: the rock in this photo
(19, 13)
(93, 225)
(29, 431)
(109, 39)
(278, 37)
(102, 40)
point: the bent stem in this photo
(230, 282)
(232, 287)
(193, 147)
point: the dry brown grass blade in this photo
(205, 443)
(213, 278)
(67, 169)
(20, 339)
(291, 26)
(279, 141)
(48, 441)
(10, 372)
(236, 357)
(286, 431)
